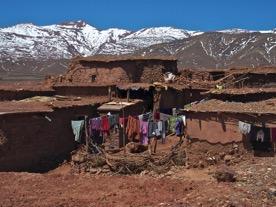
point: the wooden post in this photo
(86, 134)
(128, 94)
(109, 93)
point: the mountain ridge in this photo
(28, 47)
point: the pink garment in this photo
(144, 132)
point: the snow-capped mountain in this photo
(42, 49)
(78, 38)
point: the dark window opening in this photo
(93, 78)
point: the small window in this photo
(93, 78)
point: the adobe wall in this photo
(257, 80)
(250, 97)
(83, 90)
(22, 94)
(30, 139)
(172, 99)
(147, 71)
(221, 128)
(214, 129)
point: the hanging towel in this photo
(77, 127)
(244, 128)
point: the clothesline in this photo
(139, 128)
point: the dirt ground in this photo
(255, 186)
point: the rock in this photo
(227, 158)
(225, 174)
(271, 192)
(259, 183)
(77, 158)
(201, 164)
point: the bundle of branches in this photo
(136, 163)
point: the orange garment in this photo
(133, 129)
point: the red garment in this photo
(157, 115)
(105, 127)
(273, 134)
(123, 121)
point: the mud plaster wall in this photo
(147, 71)
(172, 99)
(83, 90)
(222, 128)
(255, 80)
(22, 94)
(31, 139)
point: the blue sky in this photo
(203, 15)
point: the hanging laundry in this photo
(144, 132)
(184, 120)
(172, 122)
(260, 138)
(179, 126)
(273, 134)
(133, 129)
(157, 116)
(77, 127)
(123, 122)
(164, 117)
(105, 124)
(244, 127)
(95, 124)
(163, 130)
(152, 127)
(158, 129)
(147, 116)
(113, 120)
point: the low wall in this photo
(27, 140)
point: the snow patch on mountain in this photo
(79, 38)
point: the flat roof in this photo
(47, 104)
(25, 86)
(113, 58)
(135, 86)
(242, 91)
(118, 105)
(214, 105)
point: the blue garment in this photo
(152, 129)
(179, 127)
(77, 127)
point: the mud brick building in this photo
(119, 69)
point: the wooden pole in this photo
(86, 134)
(128, 94)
